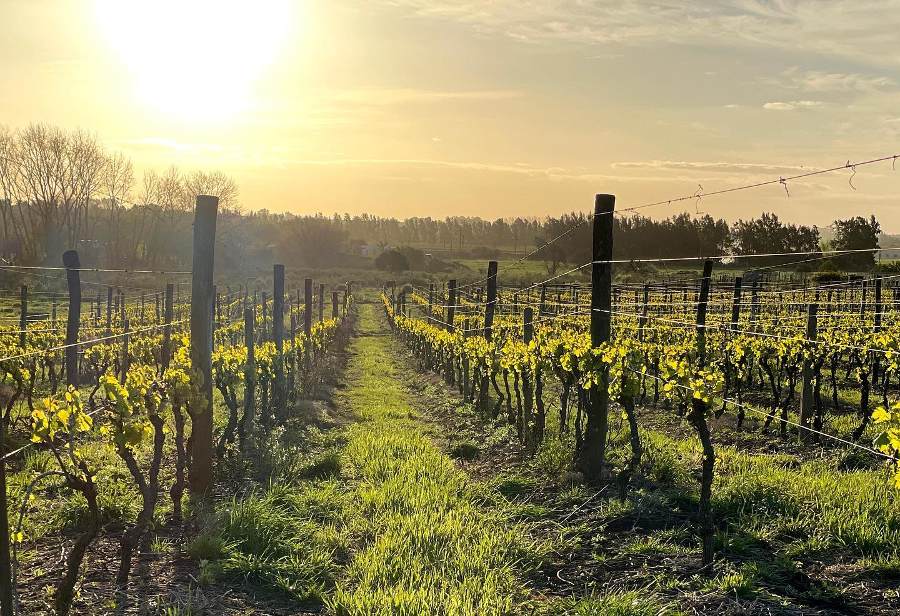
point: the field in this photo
(410, 449)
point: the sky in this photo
(498, 108)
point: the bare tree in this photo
(118, 179)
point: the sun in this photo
(197, 60)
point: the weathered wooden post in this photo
(754, 305)
(334, 305)
(265, 316)
(451, 304)
(307, 330)
(321, 302)
(278, 337)
(489, 307)
(697, 418)
(213, 318)
(864, 287)
(73, 280)
(23, 315)
(807, 390)
(125, 358)
(591, 455)
(200, 473)
(307, 312)
(292, 376)
(526, 433)
(736, 303)
(644, 308)
(167, 330)
(249, 378)
(879, 306)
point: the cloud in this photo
(821, 81)
(522, 169)
(409, 96)
(707, 166)
(792, 105)
(855, 29)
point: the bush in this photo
(392, 261)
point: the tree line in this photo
(62, 189)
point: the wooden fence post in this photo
(644, 308)
(214, 318)
(862, 301)
(265, 316)
(249, 378)
(278, 336)
(697, 418)
(200, 473)
(125, 358)
(73, 280)
(334, 305)
(754, 304)
(307, 331)
(591, 455)
(109, 295)
(321, 302)
(736, 303)
(167, 330)
(879, 306)
(806, 391)
(489, 307)
(451, 304)
(526, 434)
(23, 315)
(307, 307)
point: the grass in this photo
(432, 548)
(380, 522)
(613, 604)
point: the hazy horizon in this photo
(412, 108)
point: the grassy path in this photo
(432, 543)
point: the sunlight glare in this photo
(196, 59)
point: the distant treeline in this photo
(60, 190)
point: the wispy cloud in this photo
(848, 28)
(407, 96)
(522, 169)
(791, 105)
(729, 167)
(822, 81)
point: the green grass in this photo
(380, 522)
(613, 604)
(784, 498)
(432, 548)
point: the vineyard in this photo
(707, 442)
(109, 412)
(806, 372)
